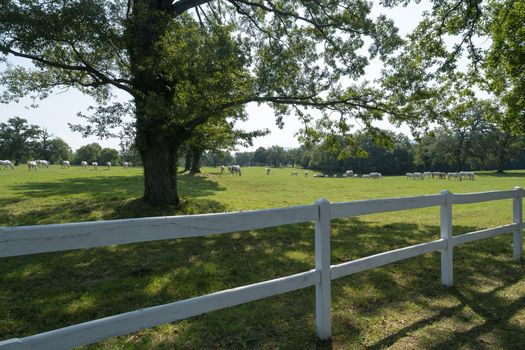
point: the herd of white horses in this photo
(36, 164)
(462, 175)
(236, 170)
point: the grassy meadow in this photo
(400, 306)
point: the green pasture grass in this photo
(400, 306)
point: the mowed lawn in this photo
(402, 305)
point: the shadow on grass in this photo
(48, 291)
(105, 197)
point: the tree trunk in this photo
(501, 162)
(187, 161)
(157, 140)
(458, 161)
(160, 175)
(195, 160)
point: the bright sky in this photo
(61, 108)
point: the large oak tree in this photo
(188, 62)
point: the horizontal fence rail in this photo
(16, 241)
(392, 256)
(51, 238)
(482, 234)
(374, 206)
(468, 198)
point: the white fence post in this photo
(322, 264)
(517, 216)
(447, 264)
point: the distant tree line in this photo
(443, 149)
(21, 142)
(469, 143)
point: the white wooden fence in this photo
(50, 238)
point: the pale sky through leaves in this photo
(61, 108)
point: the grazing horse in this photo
(6, 164)
(95, 165)
(294, 173)
(108, 164)
(32, 165)
(42, 163)
(65, 164)
(222, 169)
(306, 174)
(268, 170)
(417, 176)
(454, 176)
(83, 164)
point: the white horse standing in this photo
(95, 165)
(83, 164)
(108, 164)
(65, 164)
(236, 169)
(32, 165)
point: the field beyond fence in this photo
(402, 305)
(15, 241)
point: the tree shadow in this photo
(103, 198)
(48, 291)
(197, 186)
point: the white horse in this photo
(235, 169)
(222, 169)
(108, 164)
(65, 164)
(95, 165)
(83, 164)
(375, 175)
(306, 174)
(417, 176)
(32, 165)
(42, 163)
(268, 170)
(6, 164)
(294, 173)
(454, 176)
